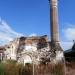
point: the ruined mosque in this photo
(36, 49)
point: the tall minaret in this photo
(54, 20)
(55, 45)
(54, 24)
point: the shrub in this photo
(2, 69)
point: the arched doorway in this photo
(27, 59)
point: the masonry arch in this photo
(27, 59)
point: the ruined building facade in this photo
(35, 49)
(25, 49)
(38, 49)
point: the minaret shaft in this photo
(54, 21)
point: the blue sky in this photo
(29, 17)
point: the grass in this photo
(70, 68)
(13, 68)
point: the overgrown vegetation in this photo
(70, 68)
(2, 69)
(51, 69)
(11, 67)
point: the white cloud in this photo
(66, 45)
(69, 36)
(6, 28)
(33, 34)
(7, 33)
(5, 37)
(70, 33)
